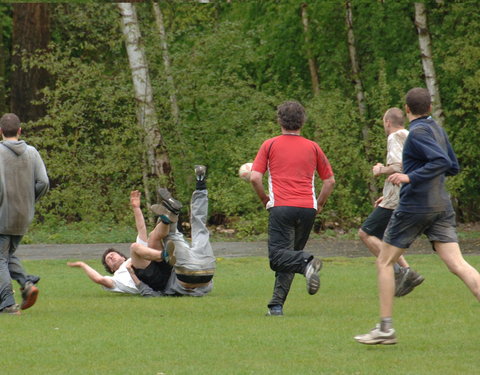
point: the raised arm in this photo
(93, 275)
(137, 213)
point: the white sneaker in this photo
(375, 337)
(311, 275)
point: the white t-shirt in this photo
(122, 281)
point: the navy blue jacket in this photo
(427, 158)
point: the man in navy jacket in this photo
(424, 208)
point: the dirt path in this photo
(322, 248)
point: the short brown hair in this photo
(9, 123)
(291, 115)
(108, 251)
(395, 116)
(418, 100)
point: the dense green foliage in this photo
(77, 328)
(232, 65)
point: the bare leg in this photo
(142, 255)
(386, 280)
(451, 255)
(155, 239)
(374, 244)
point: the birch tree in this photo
(311, 61)
(427, 61)
(157, 159)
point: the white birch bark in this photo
(427, 61)
(311, 61)
(157, 156)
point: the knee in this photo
(134, 248)
(363, 236)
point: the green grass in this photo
(77, 328)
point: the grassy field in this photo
(76, 328)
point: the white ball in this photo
(245, 171)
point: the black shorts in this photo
(156, 275)
(377, 222)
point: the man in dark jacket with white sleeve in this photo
(23, 180)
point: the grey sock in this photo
(386, 324)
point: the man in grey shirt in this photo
(23, 180)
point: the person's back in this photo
(292, 162)
(427, 159)
(20, 167)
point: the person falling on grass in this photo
(23, 180)
(193, 264)
(424, 208)
(115, 262)
(153, 269)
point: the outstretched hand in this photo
(135, 199)
(75, 264)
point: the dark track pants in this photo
(288, 232)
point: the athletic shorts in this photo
(405, 227)
(376, 223)
(156, 275)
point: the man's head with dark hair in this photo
(107, 263)
(418, 101)
(10, 124)
(291, 115)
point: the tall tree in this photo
(311, 60)
(31, 34)
(158, 161)
(427, 60)
(362, 106)
(166, 62)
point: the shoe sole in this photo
(409, 288)
(31, 298)
(391, 341)
(313, 280)
(171, 203)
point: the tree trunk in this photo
(311, 61)
(166, 62)
(354, 61)
(158, 160)
(31, 32)
(3, 96)
(427, 61)
(362, 106)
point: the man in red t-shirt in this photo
(291, 161)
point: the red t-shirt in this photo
(291, 161)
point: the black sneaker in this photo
(311, 275)
(406, 280)
(275, 310)
(169, 202)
